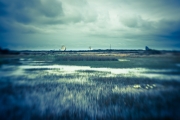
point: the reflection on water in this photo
(123, 60)
(164, 74)
(35, 90)
(137, 86)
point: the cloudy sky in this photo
(78, 24)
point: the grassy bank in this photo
(154, 63)
(100, 60)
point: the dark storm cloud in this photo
(27, 12)
(169, 29)
(156, 22)
(162, 28)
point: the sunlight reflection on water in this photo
(123, 60)
(66, 69)
(130, 72)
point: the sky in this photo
(78, 24)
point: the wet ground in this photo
(42, 90)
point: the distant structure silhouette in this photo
(147, 48)
(90, 48)
(63, 48)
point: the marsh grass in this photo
(44, 97)
(87, 71)
(85, 58)
(43, 93)
(145, 62)
(11, 61)
(111, 105)
(98, 60)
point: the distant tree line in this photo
(151, 51)
(7, 51)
